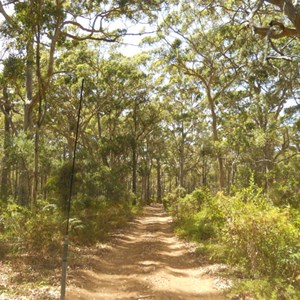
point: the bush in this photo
(266, 289)
(171, 200)
(95, 218)
(183, 206)
(261, 238)
(33, 233)
(197, 214)
(254, 235)
(198, 227)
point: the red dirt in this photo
(146, 262)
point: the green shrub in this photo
(182, 206)
(96, 217)
(43, 231)
(266, 289)
(198, 227)
(197, 215)
(261, 238)
(33, 233)
(171, 200)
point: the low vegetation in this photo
(211, 99)
(260, 241)
(31, 243)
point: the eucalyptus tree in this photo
(276, 21)
(181, 102)
(11, 92)
(38, 28)
(203, 46)
(6, 109)
(277, 9)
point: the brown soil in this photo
(146, 262)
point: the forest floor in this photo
(146, 261)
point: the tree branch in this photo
(284, 32)
(5, 15)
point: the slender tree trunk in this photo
(134, 150)
(204, 171)
(39, 120)
(36, 170)
(268, 165)
(99, 126)
(29, 87)
(5, 164)
(24, 180)
(148, 188)
(221, 175)
(158, 181)
(182, 158)
(134, 168)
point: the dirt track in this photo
(146, 262)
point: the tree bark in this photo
(221, 175)
(158, 181)
(23, 197)
(182, 158)
(5, 164)
(134, 168)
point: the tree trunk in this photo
(134, 168)
(39, 121)
(134, 150)
(24, 181)
(36, 170)
(182, 158)
(204, 171)
(148, 188)
(158, 181)
(268, 165)
(5, 164)
(221, 175)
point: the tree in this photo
(277, 29)
(204, 49)
(57, 24)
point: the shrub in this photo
(266, 289)
(261, 238)
(171, 200)
(197, 214)
(33, 233)
(198, 227)
(256, 236)
(96, 217)
(183, 206)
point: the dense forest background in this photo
(204, 118)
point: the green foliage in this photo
(260, 239)
(196, 214)
(200, 226)
(171, 199)
(96, 217)
(265, 289)
(89, 184)
(22, 231)
(286, 188)
(32, 233)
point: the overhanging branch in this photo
(276, 34)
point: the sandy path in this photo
(147, 262)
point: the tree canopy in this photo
(209, 106)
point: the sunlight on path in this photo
(147, 262)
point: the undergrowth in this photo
(248, 232)
(31, 242)
(41, 232)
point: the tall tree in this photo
(56, 24)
